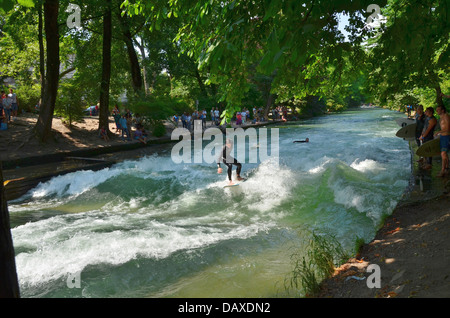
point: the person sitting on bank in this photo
(104, 134)
(139, 135)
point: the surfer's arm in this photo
(430, 127)
(218, 160)
(219, 169)
(221, 156)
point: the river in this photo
(153, 228)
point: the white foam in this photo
(63, 245)
(367, 166)
(74, 184)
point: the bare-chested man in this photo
(444, 122)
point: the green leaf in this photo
(26, 3)
(6, 5)
(278, 55)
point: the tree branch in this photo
(67, 71)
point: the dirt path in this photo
(18, 141)
(412, 251)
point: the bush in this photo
(28, 96)
(159, 129)
(158, 108)
(154, 111)
(69, 103)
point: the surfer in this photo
(444, 122)
(428, 132)
(229, 161)
(306, 140)
(420, 122)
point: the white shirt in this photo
(13, 98)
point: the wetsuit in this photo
(430, 135)
(420, 121)
(223, 157)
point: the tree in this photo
(44, 123)
(106, 67)
(411, 50)
(292, 40)
(9, 286)
(136, 76)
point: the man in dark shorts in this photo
(229, 161)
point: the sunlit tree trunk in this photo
(44, 124)
(106, 69)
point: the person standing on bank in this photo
(428, 132)
(444, 123)
(6, 106)
(14, 102)
(420, 122)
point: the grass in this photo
(323, 254)
(359, 243)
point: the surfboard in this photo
(235, 184)
(404, 121)
(429, 149)
(409, 131)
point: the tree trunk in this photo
(200, 82)
(134, 62)
(41, 52)
(144, 70)
(9, 285)
(439, 100)
(269, 104)
(43, 126)
(106, 69)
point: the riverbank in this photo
(412, 248)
